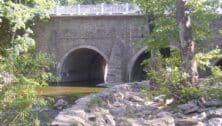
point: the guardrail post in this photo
(102, 8)
(127, 8)
(56, 11)
(79, 9)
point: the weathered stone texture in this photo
(113, 37)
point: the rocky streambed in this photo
(127, 105)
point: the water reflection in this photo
(68, 90)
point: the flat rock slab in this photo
(215, 122)
(126, 105)
(188, 108)
(164, 121)
(186, 122)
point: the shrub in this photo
(16, 100)
(169, 78)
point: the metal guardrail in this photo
(97, 9)
(103, 9)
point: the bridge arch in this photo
(135, 70)
(83, 65)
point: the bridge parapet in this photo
(97, 9)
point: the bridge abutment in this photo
(101, 48)
(114, 73)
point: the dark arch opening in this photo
(165, 52)
(208, 72)
(84, 67)
(204, 73)
(138, 73)
(219, 64)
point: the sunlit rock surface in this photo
(127, 105)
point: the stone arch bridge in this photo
(96, 48)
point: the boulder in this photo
(129, 122)
(122, 122)
(109, 120)
(69, 121)
(213, 103)
(134, 98)
(202, 116)
(214, 113)
(188, 108)
(118, 111)
(117, 104)
(60, 104)
(186, 122)
(92, 117)
(163, 114)
(215, 122)
(164, 121)
(160, 98)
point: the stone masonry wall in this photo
(113, 37)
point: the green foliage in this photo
(216, 73)
(168, 75)
(16, 104)
(162, 20)
(190, 92)
(203, 60)
(18, 14)
(31, 71)
(202, 14)
(215, 93)
(18, 57)
(169, 78)
(35, 66)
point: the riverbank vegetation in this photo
(25, 67)
(185, 23)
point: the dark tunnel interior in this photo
(138, 73)
(165, 52)
(219, 63)
(84, 67)
(208, 72)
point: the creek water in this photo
(67, 93)
(67, 90)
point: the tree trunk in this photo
(187, 44)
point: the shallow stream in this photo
(67, 90)
(67, 93)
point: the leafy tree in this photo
(17, 100)
(18, 57)
(170, 21)
(187, 44)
